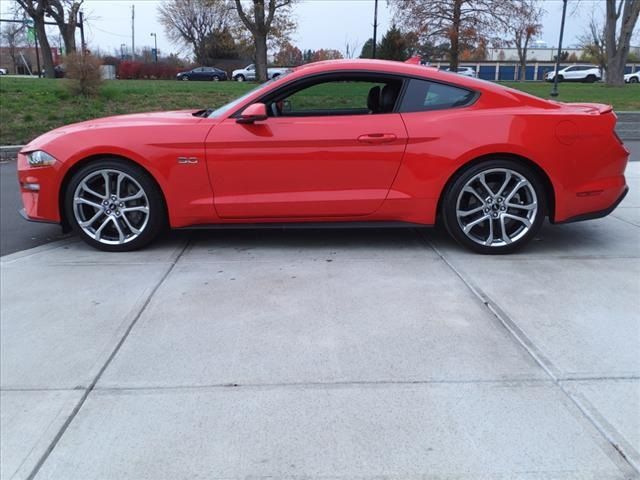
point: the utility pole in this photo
(81, 22)
(133, 32)
(35, 39)
(375, 28)
(554, 90)
(155, 50)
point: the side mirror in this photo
(253, 113)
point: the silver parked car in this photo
(576, 73)
(466, 71)
(632, 77)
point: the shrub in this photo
(83, 74)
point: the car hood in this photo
(178, 117)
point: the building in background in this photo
(24, 60)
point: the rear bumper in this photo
(599, 213)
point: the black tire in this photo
(591, 79)
(156, 220)
(215, 78)
(454, 193)
(633, 80)
(275, 76)
(560, 78)
(240, 78)
(185, 78)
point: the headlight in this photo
(40, 159)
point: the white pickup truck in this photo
(249, 73)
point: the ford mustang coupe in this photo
(376, 142)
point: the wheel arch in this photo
(66, 179)
(546, 180)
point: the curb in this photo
(8, 152)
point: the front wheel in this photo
(633, 80)
(239, 78)
(560, 78)
(494, 207)
(114, 205)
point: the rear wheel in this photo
(591, 78)
(240, 78)
(215, 78)
(494, 207)
(185, 78)
(114, 205)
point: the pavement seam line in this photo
(114, 352)
(613, 440)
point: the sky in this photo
(321, 23)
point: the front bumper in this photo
(41, 205)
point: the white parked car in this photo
(632, 77)
(249, 73)
(576, 73)
(466, 71)
(3, 71)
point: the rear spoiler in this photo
(591, 108)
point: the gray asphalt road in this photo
(17, 234)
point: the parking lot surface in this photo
(326, 354)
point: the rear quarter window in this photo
(423, 95)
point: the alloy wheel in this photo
(111, 207)
(496, 207)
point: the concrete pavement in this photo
(325, 354)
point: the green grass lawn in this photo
(622, 98)
(30, 106)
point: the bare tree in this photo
(13, 36)
(460, 22)
(592, 43)
(260, 20)
(36, 10)
(351, 48)
(194, 22)
(626, 13)
(521, 21)
(65, 14)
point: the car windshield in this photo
(231, 105)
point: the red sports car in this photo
(365, 141)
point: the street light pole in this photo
(554, 90)
(375, 28)
(155, 50)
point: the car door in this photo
(322, 153)
(571, 73)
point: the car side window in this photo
(422, 95)
(340, 97)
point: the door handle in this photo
(377, 138)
